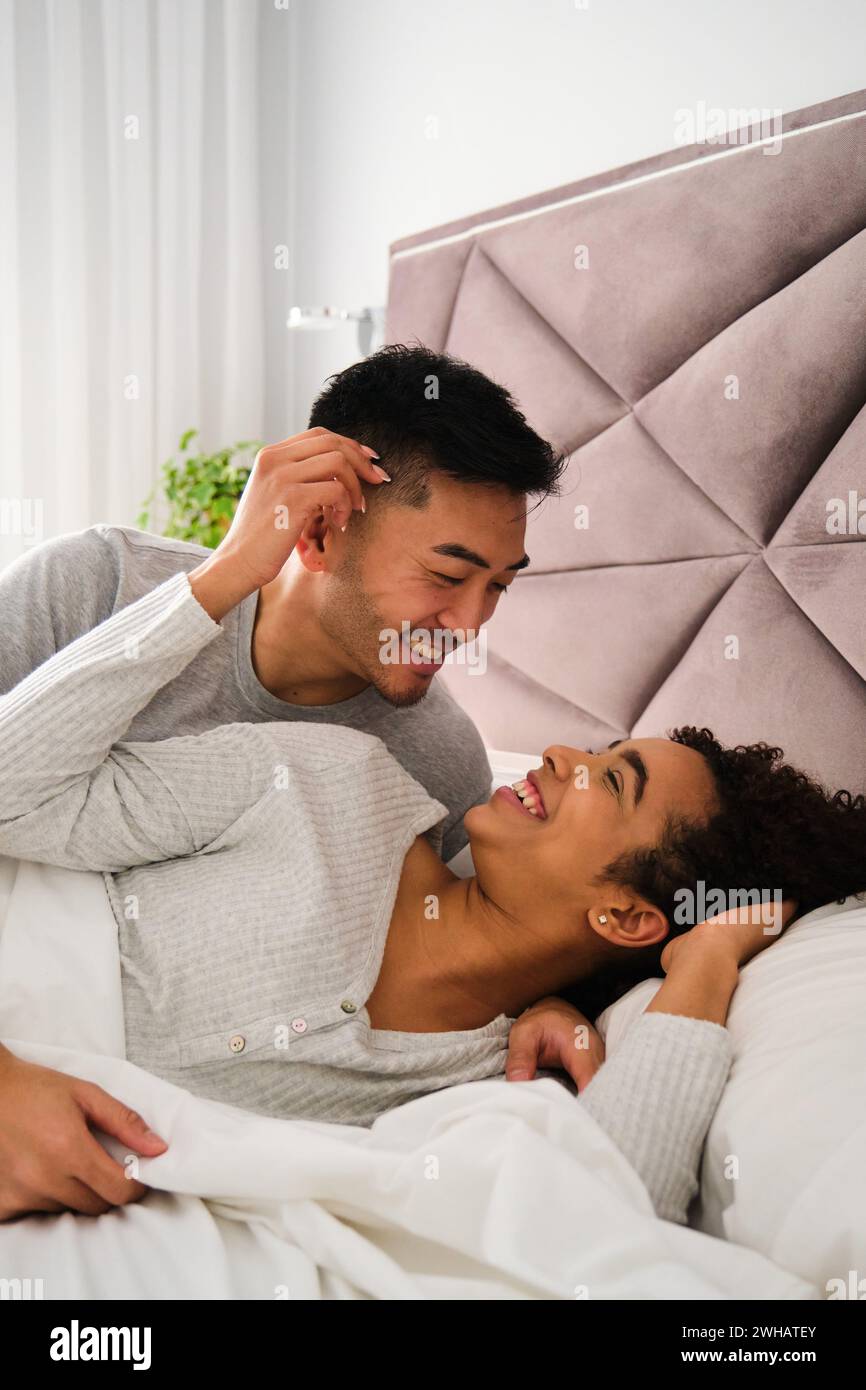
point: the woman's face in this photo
(591, 807)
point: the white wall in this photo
(528, 94)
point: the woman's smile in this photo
(526, 797)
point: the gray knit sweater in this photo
(252, 871)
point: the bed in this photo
(704, 369)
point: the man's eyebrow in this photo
(455, 551)
(636, 762)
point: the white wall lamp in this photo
(370, 321)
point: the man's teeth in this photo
(528, 796)
(423, 650)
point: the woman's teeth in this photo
(528, 795)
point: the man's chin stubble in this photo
(404, 696)
(400, 696)
(349, 624)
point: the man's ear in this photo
(315, 543)
(629, 922)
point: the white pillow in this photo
(792, 1119)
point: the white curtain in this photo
(145, 184)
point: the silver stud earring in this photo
(602, 918)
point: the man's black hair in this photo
(425, 411)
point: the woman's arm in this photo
(656, 1096)
(67, 796)
(70, 794)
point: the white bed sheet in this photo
(492, 1189)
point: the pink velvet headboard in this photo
(692, 331)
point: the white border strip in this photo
(615, 187)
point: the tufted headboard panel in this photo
(691, 330)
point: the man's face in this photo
(441, 568)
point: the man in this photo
(435, 548)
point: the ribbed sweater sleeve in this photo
(656, 1097)
(70, 793)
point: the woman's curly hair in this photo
(774, 828)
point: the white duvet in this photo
(487, 1190)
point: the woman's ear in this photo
(629, 922)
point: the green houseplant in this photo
(202, 491)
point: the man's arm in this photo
(49, 1159)
(50, 595)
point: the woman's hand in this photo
(553, 1034)
(703, 965)
(291, 482)
(737, 935)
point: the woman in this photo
(290, 941)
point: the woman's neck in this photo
(455, 959)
